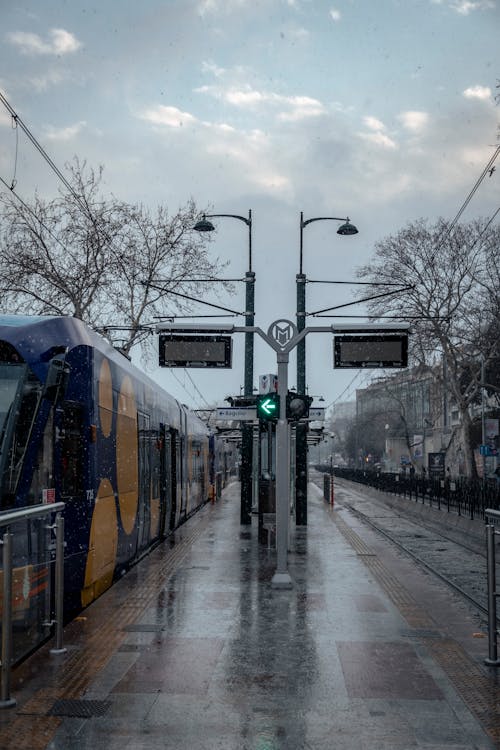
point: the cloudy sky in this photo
(381, 111)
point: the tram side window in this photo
(43, 478)
(72, 450)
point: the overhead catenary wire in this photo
(475, 188)
(449, 228)
(42, 152)
(33, 214)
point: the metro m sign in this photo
(188, 350)
(371, 351)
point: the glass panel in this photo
(32, 594)
(18, 424)
(10, 376)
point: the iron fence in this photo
(464, 496)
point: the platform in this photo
(194, 650)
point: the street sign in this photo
(188, 350)
(316, 414)
(488, 450)
(268, 406)
(268, 383)
(237, 413)
(436, 465)
(377, 350)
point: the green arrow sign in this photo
(268, 406)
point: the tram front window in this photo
(10, 375)
(20, 392)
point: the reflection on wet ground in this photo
(205, 654)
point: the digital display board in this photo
(180, 350)
(375, 350)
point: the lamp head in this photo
(204, 226)
(347, 228)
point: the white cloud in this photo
(373, 123)
(170, 116)
(61, 42)
(220, 6)
(301, 107)
(244, 98)
(378, 136)
(477, 92)
(335, 15)
(208, 66)
(65, 134)
(379, 139)
(292, 108)
(413, 120)
(465, 7)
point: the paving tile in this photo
(385, 670)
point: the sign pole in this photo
(281, 578)
(283, 336)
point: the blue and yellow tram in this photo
(80, 424)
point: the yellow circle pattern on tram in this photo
(103, 543)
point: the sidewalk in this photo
(194, 650)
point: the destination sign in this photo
(375, 350)
(185, 350)
(236, 413)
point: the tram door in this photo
(172, 476)
(167, 483)
(144, 481)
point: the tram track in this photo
(440, 551)
(428, 566)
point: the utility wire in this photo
(33, 214)
(42, 152)
(196, 387)
(474, 189)
(448, 230)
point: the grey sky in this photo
(383, 111)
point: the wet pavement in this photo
(194, 650)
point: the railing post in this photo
(492, 659)
(5, 700)
(59, 586)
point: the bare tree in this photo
(98, 258)
(161, 263)
(450, 304)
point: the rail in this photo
(492, 518)
(28, 549)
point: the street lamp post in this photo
(301, 435)
(247, 430)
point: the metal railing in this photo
(28, 550)
(464, 496)
(492, 518)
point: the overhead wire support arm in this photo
(352, 283)
(166, 281)
(364, 299)
(195, 299)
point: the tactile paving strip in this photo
(80, 709)
(479, 691)
(33, 726)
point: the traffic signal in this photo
(297, 406)
(268, 406)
